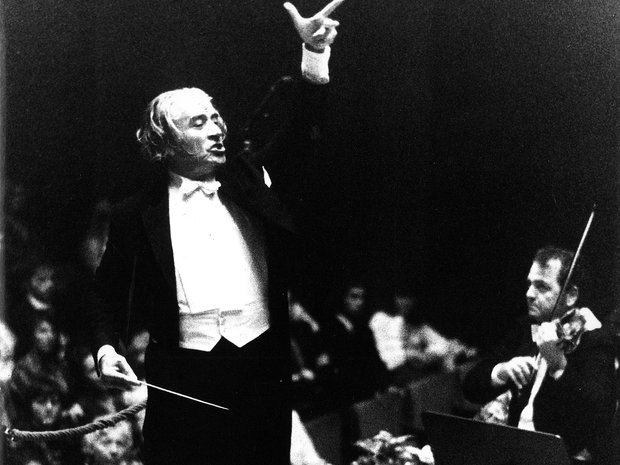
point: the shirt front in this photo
(389, 331)
(220, 267)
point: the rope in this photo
(71, 433)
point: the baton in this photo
(182, 395)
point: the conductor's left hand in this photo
(319, 30)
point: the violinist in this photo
(552, 385)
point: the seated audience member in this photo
(37, 401)
(548, 384)
(115, 445)
(388, 328)
(46, 353)
(38, 301)
(304, 340)
(312, 369)
(409, 346)
(424, 346)
(360, 371)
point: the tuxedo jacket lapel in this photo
(155, 217)
(257, 199)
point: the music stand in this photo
(461, 441)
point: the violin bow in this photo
(573, 263)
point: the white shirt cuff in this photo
(315, 66)
(104, 350)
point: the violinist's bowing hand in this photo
(518, 370)
(550, 349)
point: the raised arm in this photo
(317, 33)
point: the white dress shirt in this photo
(220, 267)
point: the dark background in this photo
(462, 135)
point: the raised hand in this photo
(319, 30)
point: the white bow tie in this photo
(189, 187)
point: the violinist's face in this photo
(543, 290)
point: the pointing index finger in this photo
(330, 7)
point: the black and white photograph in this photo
(311, 232)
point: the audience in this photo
(18, 241)
(408, 345)
(91, 396)
(46, 354)
(37, 401)
(313, 372)
(38, 301)
(116, 445)
(360, 372)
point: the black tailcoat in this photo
(135, 286)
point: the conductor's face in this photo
(201, 134)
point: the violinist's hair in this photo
(580, 275)
(158, 135)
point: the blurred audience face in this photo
(46, 410)
(403, 304)
(354, 300)
(45, 337)
(63, 343)
(111, 446)
(42, 283)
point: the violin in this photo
(570, 328)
